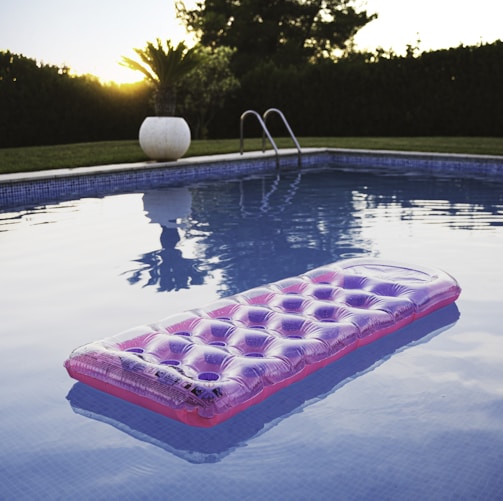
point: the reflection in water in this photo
(456, 203)
(210, 445)
(166, 267)
(267, 193)
(259, 230)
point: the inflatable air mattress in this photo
(203, 366)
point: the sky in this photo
(91, 36)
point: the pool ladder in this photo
(265, 131)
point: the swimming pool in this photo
(416, 415)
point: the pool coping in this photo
(48, 185)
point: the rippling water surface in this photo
(416, 415)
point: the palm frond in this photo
(135, 65)
(163, 64)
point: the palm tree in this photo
(164, 66)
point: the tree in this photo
(203, 91)
(163, 66)
(283, 31)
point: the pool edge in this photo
(47, 185)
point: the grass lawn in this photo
(115, 152)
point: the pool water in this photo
(415, 415)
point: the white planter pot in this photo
(164, 138)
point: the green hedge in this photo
(455, 92)
(448, 92)
(42, 104)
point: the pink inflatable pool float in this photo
(203, 366)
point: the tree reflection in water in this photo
(166, 267)
(255, 231)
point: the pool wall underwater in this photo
(45, 186)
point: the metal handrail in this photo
(265, 131)
(287, 125)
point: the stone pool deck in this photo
(50, 185)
